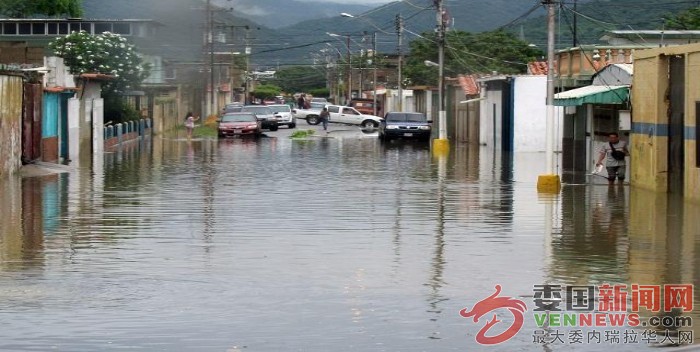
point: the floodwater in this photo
(330, 244)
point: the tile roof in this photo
(537, 68)
(468, 84)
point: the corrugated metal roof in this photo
(592, 95)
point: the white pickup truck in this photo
(340, 114)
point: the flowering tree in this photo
(106, 53)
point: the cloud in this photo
(356, 2)
(252, 10)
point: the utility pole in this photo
(441, 145)
(347, 43)
(247, 65)
(549, 183)
(374, 69)
(210, 46)
(399, 34)
(575, 24)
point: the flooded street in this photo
(328, 244)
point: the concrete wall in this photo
(530, 111)
(59, 74)
(90, 102)
(11, 93)
(649, 137)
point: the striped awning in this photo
(593, 95)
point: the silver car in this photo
(264, 115)
(283, 115)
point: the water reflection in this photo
(326, 244)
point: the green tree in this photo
(686, 20)
(299, 79)
(106, 53)
(320, 92)
(265, 91)
(467, 53)
(24, 8)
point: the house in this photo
(594, 111)
(513, 112)
(62, 119)
(588, 122)
(666, 102)
(462, 115)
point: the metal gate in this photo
(676, 125)
(31, 122)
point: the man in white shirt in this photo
(614, 153)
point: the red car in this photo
(239, 124)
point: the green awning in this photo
(593, 95)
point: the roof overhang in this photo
(593, 95)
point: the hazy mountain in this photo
(302, 43)
(277, 14)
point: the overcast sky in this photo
(356, 2)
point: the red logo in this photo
(491, 303)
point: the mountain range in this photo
(278, 14)
(275, 45)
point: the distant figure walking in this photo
(324, 115)
(301, 102)
(189, 124)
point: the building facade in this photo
(666, 104)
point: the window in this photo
(52, 28)
(122, 28)
(10, 28)
(86, 27)
(75, 27)
(63, 28)
(101, 27)
(39, 28)
(333, 109)
(349, 111)
(25, 28)
(170, 73)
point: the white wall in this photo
(530, 112)
(58, 75)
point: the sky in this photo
(356, 2)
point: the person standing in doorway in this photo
(614, 153)
(189, 123)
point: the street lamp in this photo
(349, 67)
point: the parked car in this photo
(239, 124)
(264, 115)
(232, 107)
(319, 100)
(349, 116)
(405, 125)
(283, 115)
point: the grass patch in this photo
(200, 131)
(301, 134)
